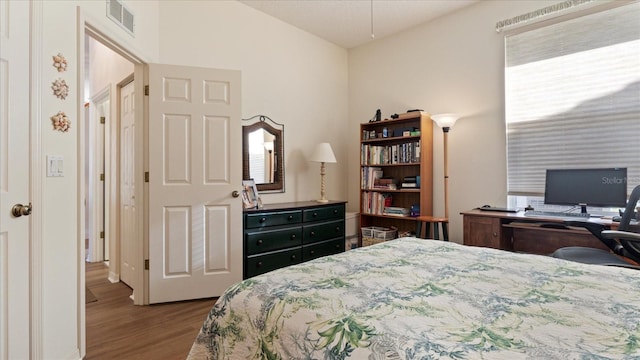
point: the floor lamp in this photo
(446, 122)
(323, 154)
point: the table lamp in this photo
(323, 154)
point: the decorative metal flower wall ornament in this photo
(61, 122)
(60, 89)
(59, 62)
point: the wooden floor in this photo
(116, 329)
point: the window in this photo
(572, 93)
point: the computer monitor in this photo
(602, 187)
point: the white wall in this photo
(60, 209)
(289, 75)
(106, 69)
(452, 64)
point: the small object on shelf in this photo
(250, 197)
(377, 116)
(415, 210)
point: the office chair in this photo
(625, 241)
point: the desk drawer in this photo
(537, 240)
(261, 220)
(317, 250)
(257, 265)
(323, 213)
(259, 241)
(325, 231)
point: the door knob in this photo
(235, 193)
(19, 210)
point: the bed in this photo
(422, 299)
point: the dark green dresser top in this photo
(293, 205)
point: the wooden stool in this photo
(427, 220)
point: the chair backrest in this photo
(629, 211)
(631, 247)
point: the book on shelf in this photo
(369, 176)
(411, 182)
(375, 202)
(405, 153)
(385, 183)
(396, 211)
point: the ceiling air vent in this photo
(117, 12)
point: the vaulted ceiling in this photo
(348, 23)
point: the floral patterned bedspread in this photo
(423, 299)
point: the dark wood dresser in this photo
(280, 235)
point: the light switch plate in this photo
(55, 166)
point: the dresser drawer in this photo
(259, 241)
(322, 249)
(260, 220)
(324, 231)
(323, 213)
(256, 265)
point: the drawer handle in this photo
(335, 211)
(293, 257)
(293, 236)
(259, 242)
(312, 252)
(263, 219)
(315, 214)
(290, 217)
(313, 233)
(337, 246)
(259, 264)
(337, 228)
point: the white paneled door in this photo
(195, 171)
(14, 180)
(128, 209)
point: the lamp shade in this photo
(445, 120)
(323, 153)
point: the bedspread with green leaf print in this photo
(423, 299)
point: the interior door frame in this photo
(87, 25)
(36, 179)
(96, 186)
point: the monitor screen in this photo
(593, 187)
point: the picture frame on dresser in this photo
(250, 196)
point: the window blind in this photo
(572, 95)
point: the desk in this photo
(516, 232)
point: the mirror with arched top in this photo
(263, 153)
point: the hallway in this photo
(116, 329)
